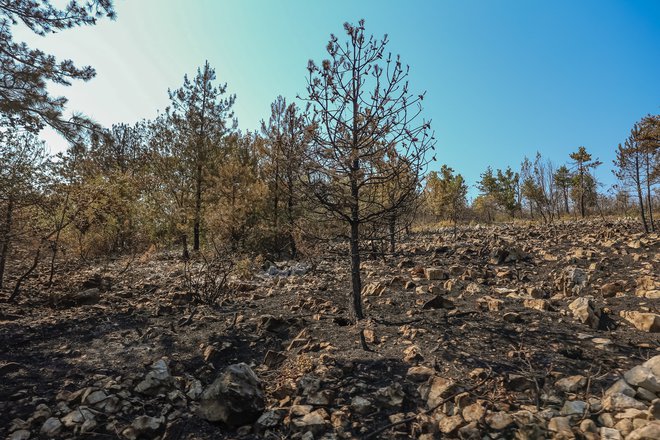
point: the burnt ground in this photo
(49, 347)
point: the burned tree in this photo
(367, 134)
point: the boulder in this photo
(236, 398)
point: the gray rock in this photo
(641, 376)
(573, 407)
(621, 387)
(51, 427)
(619, 402)
(236, 398)
(157, 380)
(654, 365)
(610, 434)
(21, 434)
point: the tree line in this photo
(540, 190)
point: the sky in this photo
(504, 78)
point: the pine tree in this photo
(200, 117)
(25, 72)
(366, 134)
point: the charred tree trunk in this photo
(17, 288)
(392, 230)
(6, 234)
(640, 195)
(198, 207)
(649, 199)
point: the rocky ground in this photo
(510, 331)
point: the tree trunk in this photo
(289, 207)
(198, 207)
(6, 234)
(640, 196)
(649, 200)
(392, 227)
(17, 288)
(566, 200)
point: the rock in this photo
(583, 310)
(145, 426)
(641, 376)
(436, 389)
(619, 402)
(361, 405)
(573, 407)
(561, 425)
(435, 273)
(537, 304)
(474, 412)
(78, 417)
(499, 420)
(622, 387)
(51, 427)
(449, 425)
(573, 280)
(650, 431)
(571, 384)
(419, 373)
(646, 322)
(269, 419)
(609, 434)
(315, 422)
(490, 303)
(21, 434)
(470, 432)
(512, 317)
(236, 398)
(95, 397)
(654, 409)
(588, 425)
(654, 365)
(412, 355)
(390, 396)
(644, 394)
(157, 380)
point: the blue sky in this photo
(503, 78)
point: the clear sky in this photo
(503, 78)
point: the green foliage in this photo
(502, 188)
(445, 194)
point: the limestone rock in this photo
(51, 427)
(235, 398)
(646, 322)
(619, 402)
(641, 376)
(583, 310)
(571, 384)
(650, 431)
